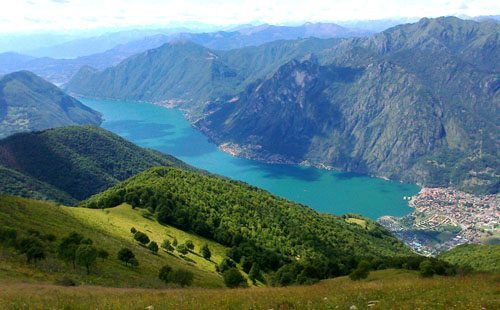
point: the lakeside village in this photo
(444, 218)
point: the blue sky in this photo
(67, 15)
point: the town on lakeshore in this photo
(444, 218)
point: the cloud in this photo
(87, 14)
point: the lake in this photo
(167, 131)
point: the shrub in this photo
(182, 277)
(8, 236)
(86, 255)
(182, 248)
(234, 278)
(103, 254)
(225, 265)
(126, 255)
(141, 237)
(361, 272)
(205, 252)
(167, 245)
(133, 230)
(426, 269)
(190, 245)
(255, 273)
(165, 273)
(33, 247)
(65, 281)
(153, 247)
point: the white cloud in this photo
(25, 15)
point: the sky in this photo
(70, 15)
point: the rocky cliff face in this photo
(418, 102)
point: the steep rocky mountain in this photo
(27, 103)
(188, 73)
(418, 102)
(71, 163)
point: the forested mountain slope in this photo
(71, 163)
(418, 102)
(27, 103)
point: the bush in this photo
(86, 255)
(8, 236)
(65, 281)
(182, 277)
(33, 247)
(426, 269)
(225, 265)
(103, 254)
(205, 252)
(153, 247)
(133, 230)
(183, 249)
(165, 273)
(234, 278)
(190, 245)
(255, 273)
(141, 237)
(361, 272)
(126, 255)
(167, 245)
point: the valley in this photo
(333, 192)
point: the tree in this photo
(103, 254)
(190, 245)
(225, 265)
(153, 247)
(165, 273)
(141, 237)
(426, 269)
(205, 252)
(33, 247)
(126, 255)
(182, 277)
(167, 245)
(182, 248)
(234, 278)
(86, 255)
(255, 273)
(133, 230)
(68, 245)
(361, 272)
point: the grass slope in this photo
(480, 257)
(109, 229)
(388, 289)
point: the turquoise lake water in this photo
(167, 130)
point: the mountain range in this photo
(416, 102)
(27, 103)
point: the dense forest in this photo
(69, 164)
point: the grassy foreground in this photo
(394, 289)
(110, 230)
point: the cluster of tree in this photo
(261, 229)
(179, 276)
(74, 248)
(143, 239)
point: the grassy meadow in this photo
(109, 229)
(387, 289)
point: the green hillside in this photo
(68, 164)
(28, 103)
(260, 228)
(109, 230)
(480, 257)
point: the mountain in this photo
(416, 102)
(258, 35)
(71, 163)
(27, 103)
(187, 73)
